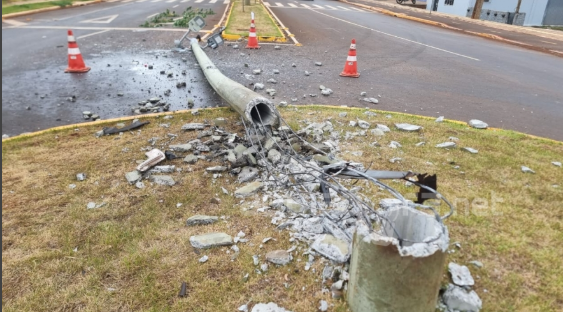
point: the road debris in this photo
(527, 170)
(478, 124)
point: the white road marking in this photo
(134, 29)
(359, 10)
(127, 1)
(198, 1)
(279, 4)
(96, 11)
(92, 34)
(343, 8)
(171, 1)
(177, 5)
(305, 6)
(184, 1)
(331, 7)
(266, 3)
(292, 5)
(212, 1)
(140, 1)
(318, 6)
(101, 20)
(226, 1)
(549, 42)
(150, 16)
(397, 37)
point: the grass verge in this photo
(8, 9)
(239, 21)
(133, 253)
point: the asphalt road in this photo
(415, 68)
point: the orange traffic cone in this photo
(75, 61)
(252, 40)
(351, 67)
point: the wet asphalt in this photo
(410, 67)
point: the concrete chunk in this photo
(191, 159)
(201, 220)
(478, 124)
(270, 307)
(211, 240)
(193, 126)
(249, 189)
(407, 127)
(133, 177)
(162, 180)
(460, 275)
(332, 248)
(181, 147)
(280, 257)
(458, 299)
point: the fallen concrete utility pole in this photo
(249, 104)
(398, 267)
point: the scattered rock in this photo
(274, 156)
(363, 124)
(471, 150)
(211, 240)
(446, 145)
(249, 189)
(72, 186)
(191, 159)
(163, 180)
(478, 124)
(332, 248)
(383, 128)
(460, 275)
(5, 136)
(277, 48)
(201, 220)
(276, 71)
(282, 104)
(270, 307)
(343, 114)
(257, 71)
(193, 126)
(352, 123)
(216, 169)
(318, 64)
(279, 257)
(258, 86)
(407, 127)
(527, 170)
(363, 93)
(323, 306)
(377, 132)
(307, 73)
(326, 92)
(203, 259)
(140, 185)
(371, 100)
(476, 263)
(81, 177)
(133, 177)
(459, 299)
(272, 80)
(395, 144)
(91, 205)
(440, 119)
(182, 148)
(271, 92)
(556, 163)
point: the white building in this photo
(537, 12)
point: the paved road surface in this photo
(415, 68)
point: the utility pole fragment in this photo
(477, 9)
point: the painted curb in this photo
(185, 111)
(230, 37)
(53, 8)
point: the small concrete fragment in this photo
(478, 124)
(363, 124)
(527, 170)
(458, 299)
(216, 169)
(211, 240)
(249, 189)
(470, 150)
(274, 156)
(377, 132)
(191, 159)
(203, 259)
(440, 119)
(248, 174)
(81, 177)
(407, 127)
(270, 307)
(323, 306)
(556, 164)
(446, 145)
(163, 180)
(476, 263)
(279, 257)
(332, 248)
(193, 126)
(293, 205)
(133, 177)
(182, 148)
(371, 100)
(201, 220)
(383, 128)
(460, 275)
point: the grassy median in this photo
(133, 253)
(7, 8)
(239, 21)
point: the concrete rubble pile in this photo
(280, 174)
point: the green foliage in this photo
(189, 14)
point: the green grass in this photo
(34, 6)
(134, 253)
(239, 21)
